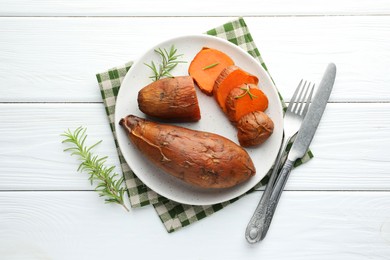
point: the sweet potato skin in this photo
(198, 158)
(170, 98)
(254, 128)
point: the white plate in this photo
(213, 120)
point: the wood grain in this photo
(76, 225)
(191, 8)
(350, 147)
(56, 59)
(31, 151)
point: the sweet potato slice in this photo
(244, 99)
(254, 128)
(228, 79)
(198, 158)
(170, 98)
(206, 66)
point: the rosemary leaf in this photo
(109, 184)
(210, 66)
(169, 61)
(246, 91)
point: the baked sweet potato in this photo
(206, 66)
(244, 99)
(254, 128)
(170, 98)
(199, 158)
(229, 78)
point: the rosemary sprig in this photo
(210, 66)
(246, 91)
(169, 60)
(108, 182)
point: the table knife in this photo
(302, 141)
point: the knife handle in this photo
(255, 226)
(275, 196)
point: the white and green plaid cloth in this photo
(173, 215)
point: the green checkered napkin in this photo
(173, 215)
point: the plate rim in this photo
(170, 40)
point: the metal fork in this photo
(293, 118)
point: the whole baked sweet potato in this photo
(199, 158)
(170, 98)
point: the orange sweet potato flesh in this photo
(198, 158)
(228, 79)
(170, 98)
(254, 129)
(244, 99)
(206, 66)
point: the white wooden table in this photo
(337, 206)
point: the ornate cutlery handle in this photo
(254, 229)
(275, 196)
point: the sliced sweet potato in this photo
(244, 99)
(228, 79)
(206, 66)
(170, 98)
(254, 128)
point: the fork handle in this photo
(275, 196)
(254, 229)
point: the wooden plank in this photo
(307, 225)
(350, 147)
(190, 8)
(55, 59)
(31, 151)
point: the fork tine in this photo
(293, 99)
(299, 100)
(302, 98)
(308, 101)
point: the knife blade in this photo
(303, 139)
